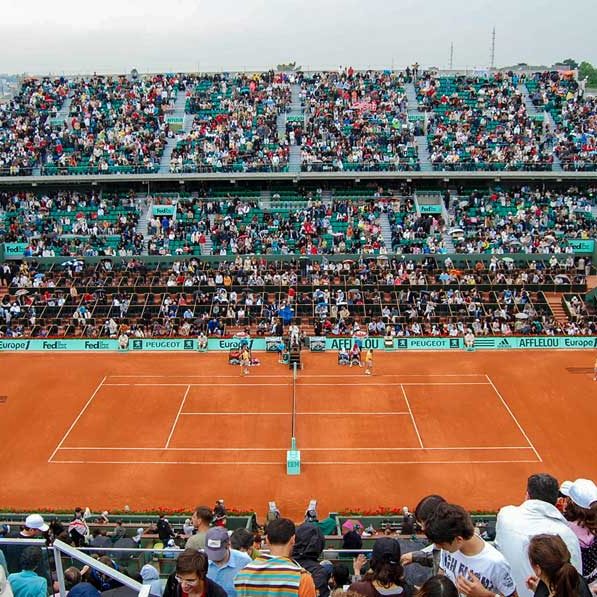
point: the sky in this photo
(115, 36)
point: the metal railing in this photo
(58, 549)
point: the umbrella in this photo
(21, 292)
(453, 231)
(522, 316)
(508, 259)
(360, 334)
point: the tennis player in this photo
(369, 362)
(245, 360)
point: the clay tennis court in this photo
(178, 429)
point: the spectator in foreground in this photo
(474, 566)
(150, 576)
(190, 578)
(581, 514)
(308, 546)
(224, 563)
(386, 573)
(515, 525)
(437, 586)
(243, 540)
(201, 519)
(27, 583)
(5, 588)
(553, 573)
(429, 556)
(272, 573)
(35, 527)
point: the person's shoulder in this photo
(492, 553)
(509, 511)
(240, 556)
(214, 589)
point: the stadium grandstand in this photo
(216, 285)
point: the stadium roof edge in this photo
(297, 176)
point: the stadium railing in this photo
(52, 562)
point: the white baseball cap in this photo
(565, 488)
(583, 493)
(36, 521)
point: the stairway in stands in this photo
(554, 300)
(296, 110)
(548, 119)
(265, 200)
(423, 153)
(528, 102)
(144, 206)
(207, 247)
(386, 230)
(411, 98)
(179, 112)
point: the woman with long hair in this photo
(385, 576)
(581, 513)
(554, 576)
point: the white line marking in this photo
(412, 416)
(248, 385)
(408, 383)
(314, 375)
(77, 419)
(177, 416)
(514, 418)
(305, 462)
(184, 385)
(332, 413)
(252, 449)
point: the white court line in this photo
(248, 385)
(281, 463)
(77, 419)
(333, 413)
(514, 418)
(412, 416)
(184, 385)
(184, 398)
(383, 385)
(313, 375)
(252, 449)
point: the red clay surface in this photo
(176, 430)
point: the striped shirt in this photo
(270, 576)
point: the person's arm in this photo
(306, 586)
(357, 565)
(471, 587)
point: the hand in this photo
(358, 563)
(472, 586)
(406, 559)
(532, 582)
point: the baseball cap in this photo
(216, 543)
(565, 488)
(386, 548)
(583, 493)
(36, 521)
